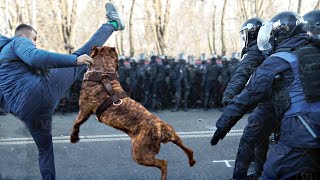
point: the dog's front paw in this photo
(74, 138)
(192, 162)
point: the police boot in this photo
(185, 107)
(186, 98)
(2, 113)
(176, 106)
(145, 102)
(154, 103)
(205, 104)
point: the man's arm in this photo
(251, 60)
(258, 90)
(41, 59)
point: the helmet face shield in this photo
(244, 34)
(243, 38)
(264, 36)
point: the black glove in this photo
(219, 134)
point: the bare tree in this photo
(162, 21)
(16, 12)
(33, 13)
(317, 6)
(150, 29)
(258, 8)
(214, 30)
(243, 9)
(289, 5)
(68, 22)
(299, 6)
(131, 36)
(223, 44)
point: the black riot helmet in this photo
(312, 22)
(282, 26)
(249, 31)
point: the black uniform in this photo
(211, 84)
(136, 81)
(160, 86)
(149, 81)
(201, 71)
(182, 83)
(123, 75)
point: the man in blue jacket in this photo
(32, 81)
(297, 63)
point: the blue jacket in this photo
(260, 89)
(19, 79)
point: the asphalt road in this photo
(105, 153)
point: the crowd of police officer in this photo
(162, 82)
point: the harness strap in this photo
(111, 100)
(98, 76)
(108, 86)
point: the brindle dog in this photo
(146, 130)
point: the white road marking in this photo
(225, 161)
(113, 137)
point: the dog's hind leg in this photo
(178, 141)
(144, 152)
(81, 118)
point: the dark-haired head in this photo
(26, 31)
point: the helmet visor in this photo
(243, 37)
(264, 36)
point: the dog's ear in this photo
(94, 51)
(112, 50)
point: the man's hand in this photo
(84, 59)
(219, 134)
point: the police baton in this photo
(307, 126)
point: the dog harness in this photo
(105, 78)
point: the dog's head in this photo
(105, 59)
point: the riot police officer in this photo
(292, 71)
(201, 71)
(149, 83)
(141, 70)
(225, 75)
(256, 133)
(123, 73)
(134, 80)
(182, 83)
(234, 62)
(160, 86)
(211, 81)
